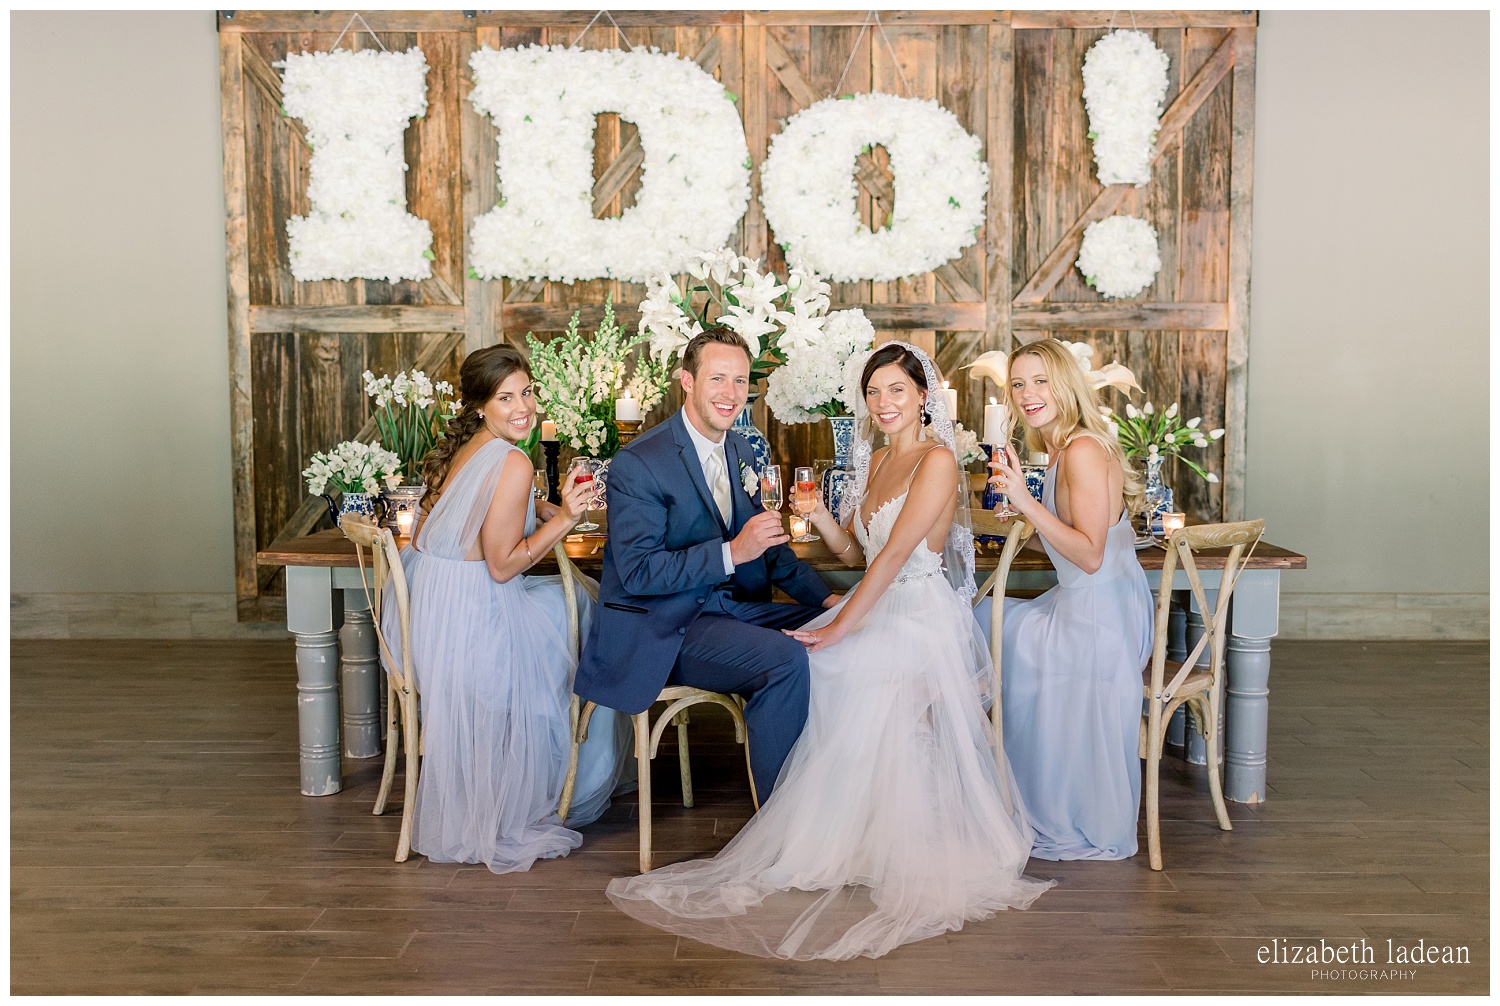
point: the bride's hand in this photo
(818, 639)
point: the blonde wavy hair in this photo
(1078, 412)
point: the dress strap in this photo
(916, 466)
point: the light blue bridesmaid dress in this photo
(1071, 688)
(495, 679)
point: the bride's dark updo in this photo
(482, 372)
(906, 360)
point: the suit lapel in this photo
(740, 509)
(695, 469)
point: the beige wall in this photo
(1370, 257)
(119, 359)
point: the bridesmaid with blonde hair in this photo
(1073, 656)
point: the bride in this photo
(894, 818)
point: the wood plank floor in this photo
(158, 845)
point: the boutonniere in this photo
(749, 480)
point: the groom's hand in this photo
(759, 533)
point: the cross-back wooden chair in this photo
(1169, 684)
(400, 680)
(1015, 531)
(679, 698)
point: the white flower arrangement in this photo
(810, 196)
(355, 106)
(749, 480)
(1124, 85)
(353, 467)
(994, 365)
(730, 290)
(577, 378)
(966, 442)
(695, 179)
(1145, 432)
(409, 412)
(1120, 256)
(814, 382)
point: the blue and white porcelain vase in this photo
(363, 504)
(745, 427)
(402, 499)
(841, 476)
(1158, 494)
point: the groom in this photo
(685, 597)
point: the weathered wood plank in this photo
(1121, 315)
(434, 146)
(237, 267)
(1065, 252)
(460, 21)
(889, 18)
(1133, 19)
(757, 132)
(477, 143)
(541, 317)
(261, 73)
(1242, 161)
(358, 318)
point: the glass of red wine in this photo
(582, 470)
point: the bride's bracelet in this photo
(840, 553)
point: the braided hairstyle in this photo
(482, 372)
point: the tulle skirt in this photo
(494, 676)
(891, 820)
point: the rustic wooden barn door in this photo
(1013, 80)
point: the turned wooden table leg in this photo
(1247, 697)
(314, 613)
(362, 678)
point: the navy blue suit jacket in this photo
(664, 559)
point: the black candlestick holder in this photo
(551, 448)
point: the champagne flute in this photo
(805, 501)
(1001, 454)
(582, 470)
(539, 484)
(770, 487)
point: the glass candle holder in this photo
(1171, 522)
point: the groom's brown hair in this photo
(723, 336)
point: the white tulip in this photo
(1192, 424)
(1152, 450)
(1215, 434)
(1172, 411)
(1130, 411)
(1114, 430)
(1148, 408)
(1212, 477)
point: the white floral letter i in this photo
(355, 106)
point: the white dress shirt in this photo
(706, 448)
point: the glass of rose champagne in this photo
(805, 501)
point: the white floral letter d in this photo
(695, 179)
(355, 106)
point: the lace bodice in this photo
(923, 561)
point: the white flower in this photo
(1153, 450)
(749, 480)
(1215, 434)
(1211, 477)
(1148, 408)
(1114, 429)
(353, 467)
(758, 293)
(1131, 411)
(967, 444)
(1172, 411)
(1119, 256)
(810, 196)
(1192, 424)
(815, 376)
(1124, 85)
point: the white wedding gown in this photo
(494, 682)
(890, 821)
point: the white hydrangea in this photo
(810, 196)
(812, 382)
(1124, 85)
(1119, 256)
(355, 106)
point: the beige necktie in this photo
(718, 482)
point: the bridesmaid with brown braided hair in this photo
(490, 644)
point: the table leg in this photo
(314, 613)
(1197, 753)
(1248, 665)
(362, 678)
(1177, 650)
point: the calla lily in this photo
(992, 365)
(1113, 375)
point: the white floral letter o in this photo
(1119, 256)
(695, 179)
(810, 196)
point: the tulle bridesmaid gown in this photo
(1072, 662)
(891, 820)
(495, 675)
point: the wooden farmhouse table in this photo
(328, 614)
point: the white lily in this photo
(992, 365)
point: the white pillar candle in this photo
(952, 395)
(549, 430)
(627, 408)
(994, 424)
